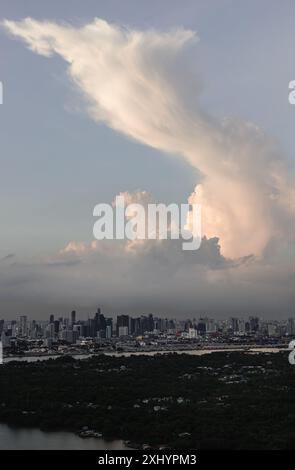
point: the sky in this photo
(175, 99)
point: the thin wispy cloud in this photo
(8, 257)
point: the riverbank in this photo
(193, 352)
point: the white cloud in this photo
(139, 83)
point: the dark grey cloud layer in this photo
(160, 278)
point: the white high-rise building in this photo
(272, 329)
(123, 331)
(192, 333)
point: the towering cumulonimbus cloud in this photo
(140, 84)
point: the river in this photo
(34, 439)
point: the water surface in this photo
(34, 439)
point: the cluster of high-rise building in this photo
(70, 330)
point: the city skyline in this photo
(86, 314)
(150, 321)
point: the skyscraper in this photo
(73, 317)
(291, 327)
(254, 324)
(201, 327)
(123, 321)
(234, 324)
(23, 325)
(109, 328)
(101, 326)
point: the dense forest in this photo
(224, 400)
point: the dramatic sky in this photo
(165, 101)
